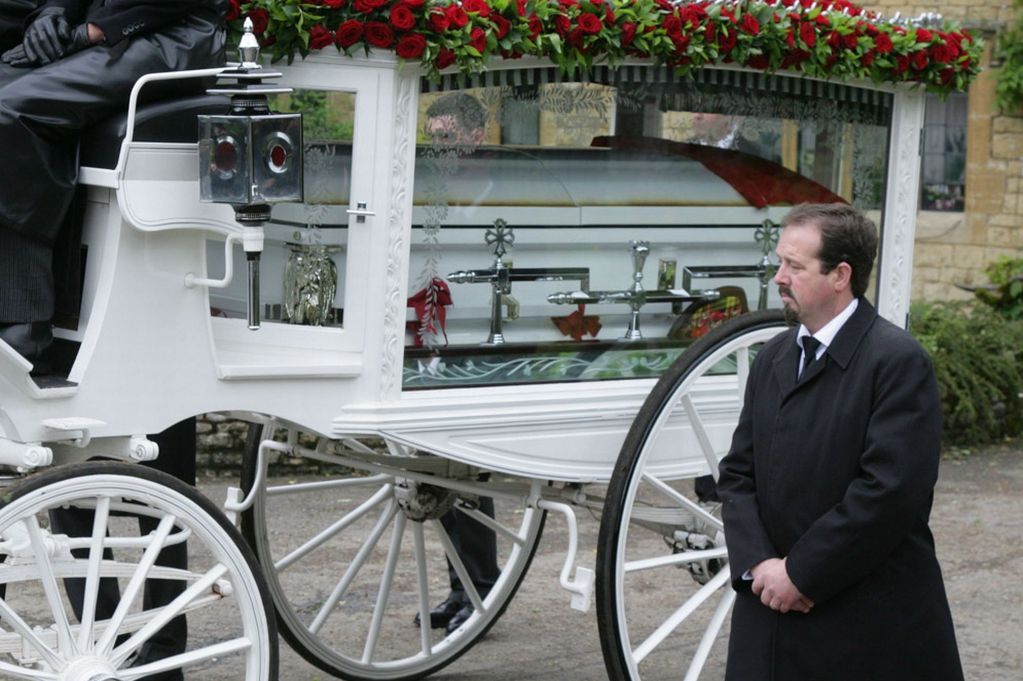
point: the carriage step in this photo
(52, 382)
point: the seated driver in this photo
(75, 66)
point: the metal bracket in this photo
(360, 212)
(581, 587)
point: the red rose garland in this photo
(825, 39)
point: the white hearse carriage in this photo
(458, 313)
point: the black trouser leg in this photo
(476, 545)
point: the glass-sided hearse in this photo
(518, 291)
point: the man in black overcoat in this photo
(828, 485)
(74, 67)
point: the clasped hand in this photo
(771, 582)
(47, 39)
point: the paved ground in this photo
(977, 523)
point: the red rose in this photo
(947, 75)
(923, 35)
(883, 44)
(628, 33)
(414, 3)
(457, 16)
(535, 26)
(807, 34)
(850, 41)
(479, 7)
(590, 23)
(501, 25)
(750, 24)
(867, 59)
(901, 63)
(919, 60)
(693, 13)
(520, 7)
(575, 38)
(681, 43)
(445, 58)
(411, 46)
(320, 37)
(402, 18)
(710, 32)
(834, 39)
(609, 16)
(940, 54)
(672, 25)
(348, 33)
(758, 61)
(260, 20)
(561, 24)
(439, 21)
(790, 39)
(379, 34)
(234, 11)
(478, 39)
(333, 4)
(367, 6)
(727, 42)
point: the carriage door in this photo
(317, 256)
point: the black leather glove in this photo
(47, 38)
(16, 57)
(78, 40)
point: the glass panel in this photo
(568, 231)
(943, 176)
(302, 266)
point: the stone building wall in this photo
(955, 247)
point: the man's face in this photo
(448, 130)
(809, 295)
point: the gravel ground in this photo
(976, 520)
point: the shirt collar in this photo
(826, 334)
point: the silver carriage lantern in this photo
(250, 157)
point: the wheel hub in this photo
(421, 501)
(89, 668)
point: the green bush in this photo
(1005, 294)
(978, 359)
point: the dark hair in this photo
(466, 109)
(846, 236)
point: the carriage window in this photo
(567, 231)
(302, 265)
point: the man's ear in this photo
(843, 276)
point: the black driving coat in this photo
(836, 472)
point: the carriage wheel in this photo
(348, 584)
(654, 535)
(49, 634)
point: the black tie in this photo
(810, 345)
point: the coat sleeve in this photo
(747, 538)
(122, 20)
(891, 496)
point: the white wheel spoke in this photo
(22, 628)
(676, 618)
(386, 515)
(92, 576)
(315, 542)
(696, 421)
(459, 566)
(9, 671)
(675, 559)
(65, 641)
(742, 364)
(426, 645)
(184, 660)
(384, 594)
(710, 635)
(482, 518)
(683, 501)
(166, 614)
(137, 581)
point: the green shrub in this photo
(978, 359)
(1005, 294)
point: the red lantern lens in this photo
(278, 157)
(225, 157)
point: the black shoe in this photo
(29, 339)
(460, 618)
(445, 612)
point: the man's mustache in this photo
(785, 291)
